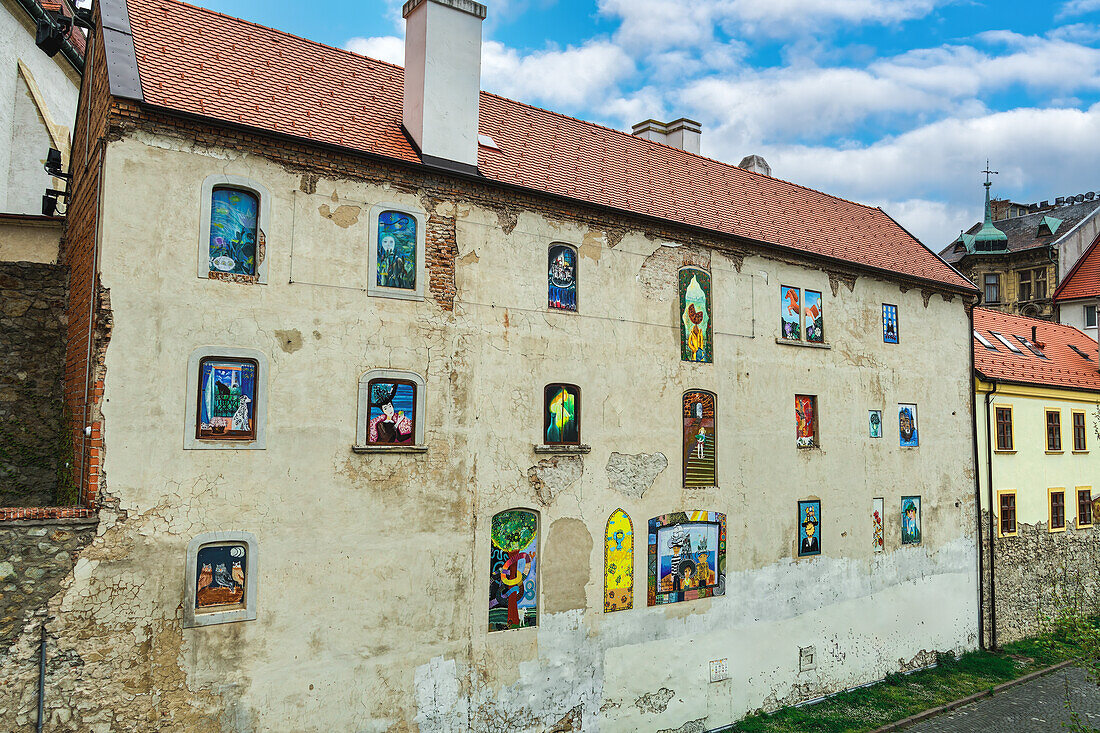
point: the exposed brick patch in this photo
(46, 512)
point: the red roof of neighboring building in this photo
(200, 62)
(1062, 367)
(1083, 281)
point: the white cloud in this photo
(384, 48)
(573, 77)
(1077, 7)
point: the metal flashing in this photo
(118, 46)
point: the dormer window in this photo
(1048, 225)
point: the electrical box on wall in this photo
(719, 670)
(807, 658)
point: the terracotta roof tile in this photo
(1083, 281)
(201, 62)
(1063, 366)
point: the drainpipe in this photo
(992, 526)
(977, 492)
(41, 680)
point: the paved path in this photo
(1039, 705)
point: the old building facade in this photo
(1038, 395)
(517, 428)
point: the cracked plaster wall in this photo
(374, 568)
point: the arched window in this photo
(561, 277)
(232, 241)
(618, 560)
(397, 254)
(700, 415)
(391, 410)
(561, 423)
(513, 570)
(696, 316)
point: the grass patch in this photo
(899, 696)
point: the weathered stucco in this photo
(373, 593)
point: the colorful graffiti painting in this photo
(618, 562)
(227, 398)
(220, 580)
(687, 556)
(874, 423)
(809, 528)
(700, 439)
(561, 277)
(396, 256)
(697, 331)
(910, 520)
(561, 421)
(392, 412)
(814, 317)
(907, 426)
(878, 537)
(233, 227)
(790, 309)
(513, 568)
(805, 412)
(889, 323)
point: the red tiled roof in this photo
(1063, 366)
(1083, 281)
(201, 62)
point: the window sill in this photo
(563, 449)
(700, 488)
(389, 449)
(1005, 536)
(807, 447)
(1084, 526)
(1010, 451)
(1080, 452)
(803, 344)
(1056, 530)
(1055, 452)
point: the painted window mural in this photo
(907, 426)
(910, 520)
(809, 526)
(874, 423)
(233, 231)
(700, 439)
(790, 307)
(814, 318)
(697, 331)
(889, 323)
(513, 570)
(220, 577)
(687, 556)
(561, 277)
(561, 422)
(878, 534)
(396, 257)
(805, 412)
(392, 412)
(618, 560)
(227, 397)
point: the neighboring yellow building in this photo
(1038, 396)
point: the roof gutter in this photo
(481, 179)
(68, 50)
(1018, 383)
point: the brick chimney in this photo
(682, 133)
(443, 78)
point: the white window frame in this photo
(363, 418)
(263, 219)
(1090, 310)
(192, 617)
(259, 405)
(421, 253)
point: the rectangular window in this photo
(814, 326)
(1080, 434)
(1033, 284)
(1040, 279)
(1008, 513)
(1025, 285)
(1054, 431)
(1057, 509)
(889, 323)
(790, 310)
(805, 412)
(992, 288)
(1004, 428)
(1084, 507)
(1006, 343)
(226, 397)
(1090, 316)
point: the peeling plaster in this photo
(552, 476)
(654, 702)
(343, 216)
(632, 475)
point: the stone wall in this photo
(35, 555)
(32, 349)
(1037, 573)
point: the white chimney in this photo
(682, 133)
(756, 164)
(443, 78)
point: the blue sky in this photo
(895, 103)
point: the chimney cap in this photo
(756, 164)
(647, 125)
(466, 6)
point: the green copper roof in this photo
(1050, 222)
(989, 238)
